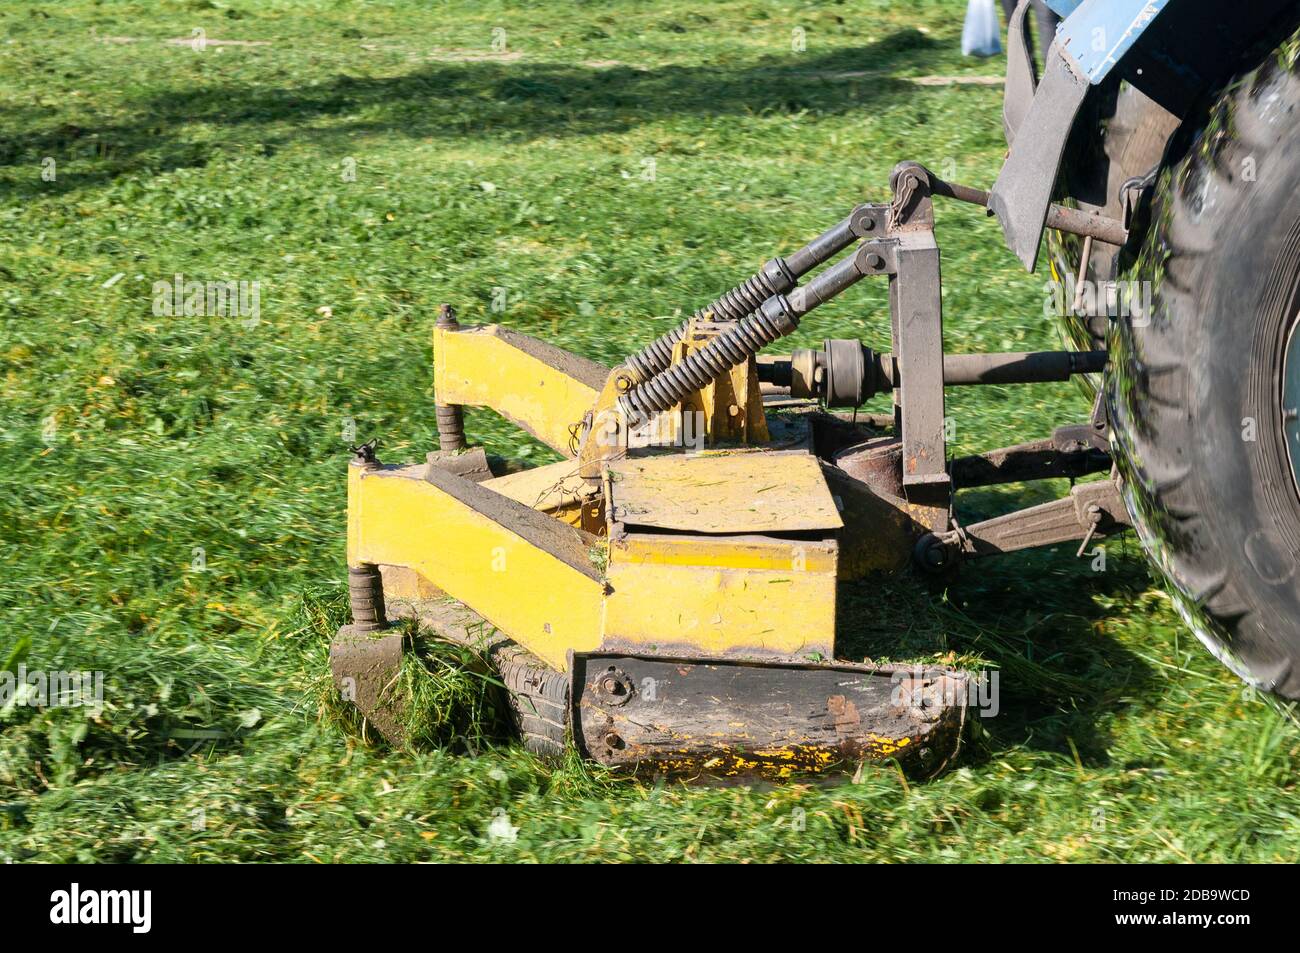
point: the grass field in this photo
(172, 487)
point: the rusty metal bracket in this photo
(1091, 510)
(916, 320)
(1095, 434)
(686, 716)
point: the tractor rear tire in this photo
(1195, 390)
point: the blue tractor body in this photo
(1174, 51)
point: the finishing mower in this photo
(666, 594)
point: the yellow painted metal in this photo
(535, 385)
(554, 488)
(751, 551)
(701, 561)
(605, 436)
(731, 407)
(740, 597)
(531, 576)
(502, 546)
(739, 491)
(528, 584)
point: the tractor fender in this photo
(1175, 51)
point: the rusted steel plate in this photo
(723, 492)
(685, 717)
(365, 667)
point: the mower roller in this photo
(665, 596)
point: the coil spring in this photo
(732, 306)
(730, 349)
(451, 427)
(366, 595)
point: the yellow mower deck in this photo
(668, 591)
(699, 586)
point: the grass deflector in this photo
(666, 595)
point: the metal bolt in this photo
(364, 455)
(875, 262)
(447, 317)
(933, 554)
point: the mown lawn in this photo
(172, 487)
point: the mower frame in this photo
(678, 610)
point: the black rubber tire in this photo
(539, 699)
(1193, 380)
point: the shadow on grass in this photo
(1038, 618)
(465, 100)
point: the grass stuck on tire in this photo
(450, 698)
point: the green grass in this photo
(135, 448)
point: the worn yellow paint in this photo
(745, 596)
(781, 556)
(406, 585)
(731, 405)
(779, 762)
(883, 747)
(483, 367)
(533, 595)
(606, 435)
(754, 491)
(774, 763)
(726, 597)
(554, 488)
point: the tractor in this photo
(665, 596)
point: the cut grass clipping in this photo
(449, 698)
(453, 702)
